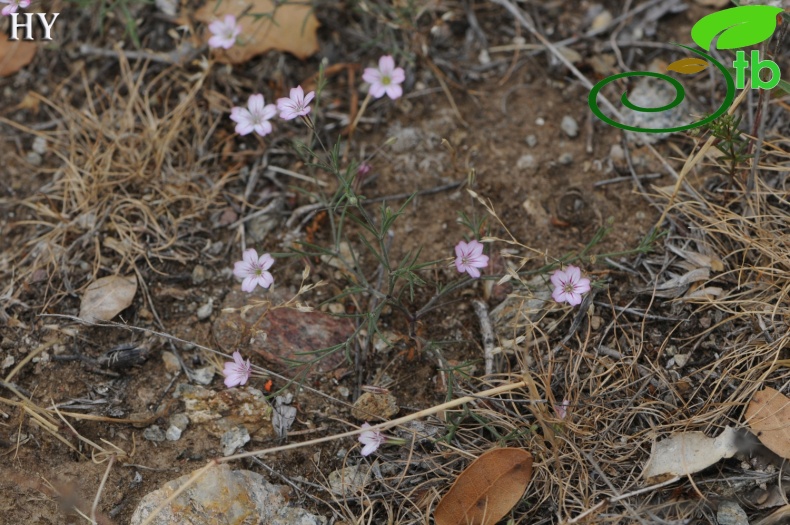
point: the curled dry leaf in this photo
(487, 489)
(107, 297)
(768, 415)
(266, 24)
(688, 452)
(14, 54)
(688, 66)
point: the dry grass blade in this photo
(128, 181)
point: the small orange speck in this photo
(268, 385)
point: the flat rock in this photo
(282, 335)
(369, 406)
(224, 497)
(219, 412)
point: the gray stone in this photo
(154, 433)
(350, 481)
(203, 376)
(565, 159)
(234, 439)
(180, 421)
(173, 433)
(223, 496)
(39, 145)
(569, 126)
(532, 141)
(204, 312)
(527, 163)
(730, 513)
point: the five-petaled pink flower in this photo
(13, 5)
(236, 372)
(569, 285)
(253, 270)
(385, 79)
(297, 105)
(469, 257)
(372, 439)
(255, 117)
(224, 32)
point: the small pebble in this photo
(540, 121)
(7, 362)
(730, 513)
(33, 158)
(40, 145)
(203, 376)
(532, 141)
(171, 362)
(569, 126)
(199, 274)
(173, 433)
(204, 312)
(601, 21)
(526, 163)
(179, 420)
(565, 159)
(154, 433)
(233, 439)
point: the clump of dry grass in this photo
(133, 179)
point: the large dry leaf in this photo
(14, 54)
(487, 489)
(768, 416)
(289, 27)
(107, 297)
(688, 452)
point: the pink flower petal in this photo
(386, 64)
(371, 75)
(573, 273)
(255, 103)
(394, 91)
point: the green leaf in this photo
(739, 27)
(784, 86)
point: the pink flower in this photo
(372, 439)
(256, 118)
(236, 372)
(469, 257)
(13, 5)
(386, 79)
(569, 285)
(224, 33)
(253, 270)
(297, 105)
(562, 410)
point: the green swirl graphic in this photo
(680, 94)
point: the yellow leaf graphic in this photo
(688, 66)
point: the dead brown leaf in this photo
(289, 27)
(107, 297)
(487, 489)
(768, 415)
(688, 452)
(14, 54)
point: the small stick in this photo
(617, 180)
(481, 309)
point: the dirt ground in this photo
(142, 174)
